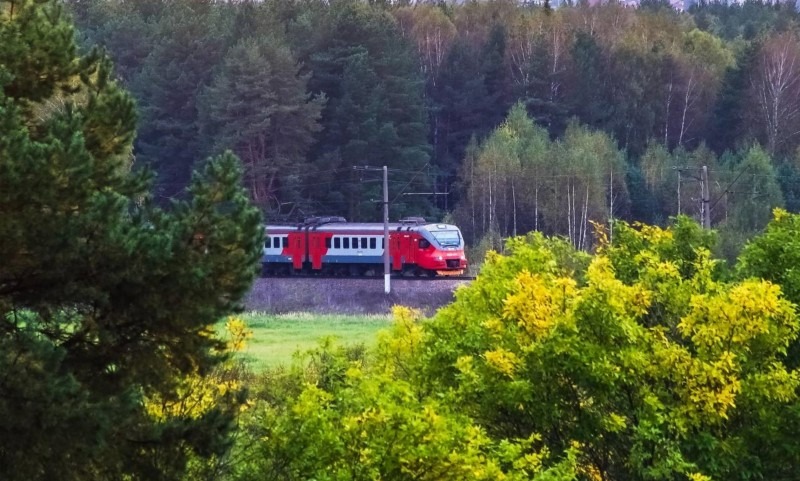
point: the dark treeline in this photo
(304, 90)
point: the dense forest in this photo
(648, 359)
(617, 108)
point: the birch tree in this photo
(432, 32)
(586, 163)
(776, 91)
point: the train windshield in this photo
(447, 238)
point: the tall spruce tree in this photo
(258, 106)
(729, 121)
(105, 300)
(592, 103)
(375, 113)
(192, 39)
(462, 106)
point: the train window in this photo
(337, 243)
(327, 242)
(346, 242)
(363, 242)
(372, 243)
(267, 243)
(286, 241)
(424, 244)
(383, 243)
(355, 242)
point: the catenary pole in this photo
(387, 273)
(704, 192)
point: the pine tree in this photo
(104, 299)
(375, 113)
(728, 123)
(193, 38)
(258, 107)
(494, 74)
(462, 102)
(591, 100)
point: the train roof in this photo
(363, 227)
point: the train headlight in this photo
(439, 258)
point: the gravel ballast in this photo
(348, 296)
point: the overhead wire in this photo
(728, 188)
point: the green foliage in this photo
(375, 112)
(104, 299)
(644, 361)
(258, 106)
(351, 418)
(461, 100)
(190, 40)
(519, 180)
(748, 20)
(728, 128)
(592, 105)
(410, 87)
(654, 367)
(756, 191)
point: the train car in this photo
(333, 246)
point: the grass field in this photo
(277, 337)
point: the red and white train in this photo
(333, 246)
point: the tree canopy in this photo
(646, 360)
(353, 83)
(105, 299)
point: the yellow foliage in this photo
(631, 301)
(197, 394)
(535, 303)
(601, 235)
(502, 360)
(406, 315)
(494, 326)
(465, 365)
(398, 346)
(732, 320)
(615, 422)
(653, 233)
(779, 214)
(708, 388)
(238, 334)
(590, 471)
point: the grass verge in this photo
(276, 337)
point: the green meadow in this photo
(276, 337)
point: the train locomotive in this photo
(333, 246)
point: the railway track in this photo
(350, 295)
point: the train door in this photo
(402, 251)
(297, 249)
(318, 245)
(415, 249)
(396, 250)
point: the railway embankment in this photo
(348, 296)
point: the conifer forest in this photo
(627, 175)
(511, 116)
